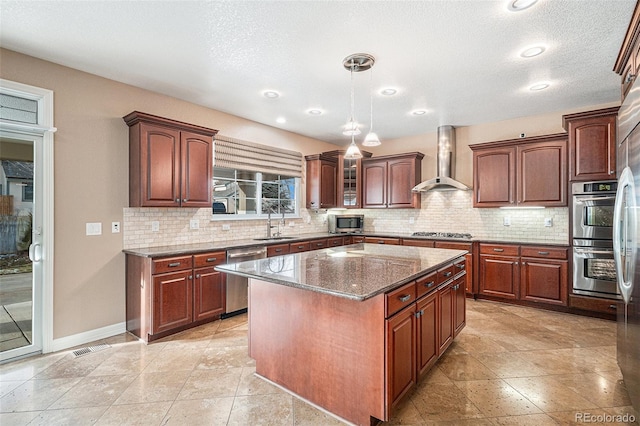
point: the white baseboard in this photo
(88, 336)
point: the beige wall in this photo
(91, 179)
(91, 173)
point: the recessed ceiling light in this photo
(271, 94)
(539, 86)
(281, 120)
(532, 51)
(419, 112)
(314, 111)
(388, 91)
(518, 5)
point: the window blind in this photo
(18, 109)
(234, 153)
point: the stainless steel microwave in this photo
(346, 223)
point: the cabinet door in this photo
(172, 300)
(401, 354)
(159, 166)
(374, 181)
(544, 280)
(467, 265)
(209, 293)
(317, 244)
(592, 146)
(459, 305)
(349, 183)
(427, 329)
(321, 183)
(196, 170)
(542, 174)
(400, 179)
(445, 313)
(499, 276)
(494, 177)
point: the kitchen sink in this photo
(272, 238)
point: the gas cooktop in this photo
(443, 235)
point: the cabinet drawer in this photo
(545, 252)
(277, 250)
(169, 264)
(382, 240)
(335, 242)
(499, 250)
(426, 284)
(459, 265)
(445, 274)
(453, 245)
(317, 244)
(400, 298)
(357, 239)
(209, 259)
(298, 247)
(417, 243)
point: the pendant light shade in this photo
(353, 153)
(356, 63)
(372, 138)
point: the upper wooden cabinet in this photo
(321, 181)
(387, 181)
(521, 172)
(628, 61)
(592, 144)
(348, 179)
(170, 162)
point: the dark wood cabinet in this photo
(401, 353)
(427, 332)
(170, 294)
(170, 162)
(277, 250)
(459, 305)
(628, 62)
(467, 265)
(592, 144)
(321, 182)
(521, 172)
(348, 179)
(299, 247)
(336, 241)
(544, 275)
(446, 299)
(382, 240)
(499, 271)
(318, 244)
(387, 181)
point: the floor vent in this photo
(90, 349)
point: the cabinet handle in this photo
(212, 259)
(173, 265)
(460, 265)
(611, 172)
(177, 200)
(184, 200)
(278, 250)
(447, 274)
(498, 250)
(190, 277)
(516, 263)
(613, 307)
(405, 298)
(380, 242)
(318, 244)
(630, 77)
(197, 275)
(544, 253)
(430, 284)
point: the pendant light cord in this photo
(371, 97)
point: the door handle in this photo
(624, 227)
(35, 252)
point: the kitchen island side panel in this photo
(326, 349)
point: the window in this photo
(27, 191)
(250, 194)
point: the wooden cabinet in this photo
(299, 247)
(467, 265)
(445, 310)
(382, 240)
(348, 179)
(336, 241)
(170, 162)
(418, 243)
(427, 332)
(321, 182)
(530, 273)
(521, 172)
(544, 275)
(356, 239)
(628, 62)
(401, 354)
(166, 295)
(592, 144)
(459, 305)
(318, 244)
(277, 250)
(387, 181)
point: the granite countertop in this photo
(357, 271)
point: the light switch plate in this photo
(412, 220)
(226, 227)
(94, 228)
(155, 226)
(115, 227)
(548, 221)
(194, 224)
(506, 221)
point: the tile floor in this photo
(511, 365)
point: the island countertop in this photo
(357, 271)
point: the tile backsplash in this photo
(444, 211)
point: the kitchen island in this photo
(351, 329)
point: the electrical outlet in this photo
(291, 224)
(115, 227)
(194, 224)
(412, 220)
(94, 228)
(226, 227)
(155, 226)
(548, 221)
(506, 221)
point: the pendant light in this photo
(372, 138)
(355, 63)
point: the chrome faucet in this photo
(269, 226)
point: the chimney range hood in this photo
(446, 163)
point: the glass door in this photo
(20, 251)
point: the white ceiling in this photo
(458, 59)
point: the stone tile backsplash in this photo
(445, 211)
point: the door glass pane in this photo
(16, 218)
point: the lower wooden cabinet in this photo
(382, 240)
(446, 313)
(427, 332)
(401, 354)
(499, 271)
(459, 305)
(166, 295)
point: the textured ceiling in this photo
(457, 59)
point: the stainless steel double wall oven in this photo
(594, 272)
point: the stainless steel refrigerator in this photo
(626, 241)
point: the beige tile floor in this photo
(511, 365)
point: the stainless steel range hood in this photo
(446, 163)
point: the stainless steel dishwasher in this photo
(237, 294)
